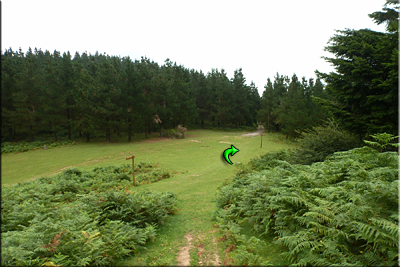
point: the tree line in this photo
(45, 92)
(49, 93)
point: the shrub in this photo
(178, 132)
(79, 218)
(322, 141)
(7, 147)
(343, 211)
(270, 160)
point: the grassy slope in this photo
(200, 171)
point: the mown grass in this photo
(197, 168)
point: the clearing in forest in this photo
(197, 171)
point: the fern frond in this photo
(321, 218)
(391, 228)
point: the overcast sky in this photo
(261, 37)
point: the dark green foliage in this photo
(45, 93)
(343, 211)
(7, 147)
(390, 16)
(288, 105)
(314, 145)
(137, 209)
(79, 218)
(364, 87)
(383, 141)
(244, 101)
(322, 141)
(268, 102)
(270, 160)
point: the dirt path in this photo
(184, 252)
(255, 133)
(204, 245)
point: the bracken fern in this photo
(343, 211)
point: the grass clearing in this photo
(197, 168)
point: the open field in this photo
(197, 168)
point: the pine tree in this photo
(204, 96)
(253, 99)
(106, 97)
(267, 104)
(67, 80)
(25, 98)
(224, 96)
(83, 94)
(10, 72)
(130, 97)
(239, 102)
(292, 111)
(364, 86)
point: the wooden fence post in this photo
(261, 140)
(133, 169)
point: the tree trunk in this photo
(202, 124)
(145, 131)
(160, 130)
(69, 125)
(108, 135)
(55, 136)
(80, 133)
(31, 133)
(87, 136)
(129, 132)
(10, 132)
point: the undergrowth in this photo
(342, 211)
(7, 147)
(81, 217)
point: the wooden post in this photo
(261, 140)
(133, 169)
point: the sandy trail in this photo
(184, 252)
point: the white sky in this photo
(261, 37)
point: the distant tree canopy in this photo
(364, 87)
(287, 106)
(48, 93)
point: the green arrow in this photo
(231, 151)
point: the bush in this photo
(270, 160)
(343, 211)
(178, 132)
(322, 141)
(80, 218)
(7, 147)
